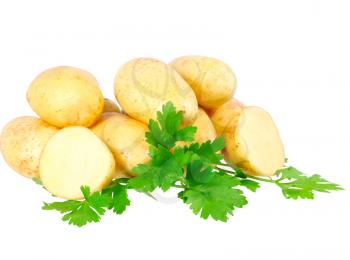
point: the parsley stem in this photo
(261, 179)
(178, 186)
(231, 172)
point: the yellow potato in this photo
(205, 129)
(66, 96)
(125, 137)
(223, 116)
(22, 142)
(252, 140)
(212, 80)
(98, 127)
(142, 86)
(110, 106)
(73, 157)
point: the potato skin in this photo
(66, 96)
(110, 106)
(212, 80)
(205, 129)
(142, 86)
(22, 142)
(252, 141)
(225, 117)
(125, 137)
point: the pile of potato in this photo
(82, 138)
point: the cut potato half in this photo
(252, 141)
(73, 157)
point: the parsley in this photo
(93, 206)
(295, 184)
(209, 186)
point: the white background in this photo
(290, 57)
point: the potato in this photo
(98, 127)
(125, 137)
(66, 96)
(212, 80)
(73, 157)
(251, 138)
(142, 86)
(22, 142)
(205, 129)
(110, 106)
(223, 115)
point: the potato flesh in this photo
(66, 96)
(252, 140)
(22, 142)
(213, 81)
(142, 86)
(73, 157)
(125, 137)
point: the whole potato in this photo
(66, 96)
(110, 106)
(224, 116)
(212, 80)
(22, 142)
(125, 137)
(205, 129)
(142, 86)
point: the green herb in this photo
(208, 185)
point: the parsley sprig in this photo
(211, 187)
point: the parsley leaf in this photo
(82, 212)
(163, 170)
(119, 196)
(215, 196)
(165, 131)
(250, 185)
(295, 184)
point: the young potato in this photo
(126, 139)
(223, 115)
(142, 86)
(73, 157)
(212, 80)
(110, 106)
(98, 127)
(22, 142)
(252, 140)
(66, 96)
(205, 129)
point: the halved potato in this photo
(73, 157)
(22, 142)
(110, 106)
(212, 80)
(125, 137)
(251, 138)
